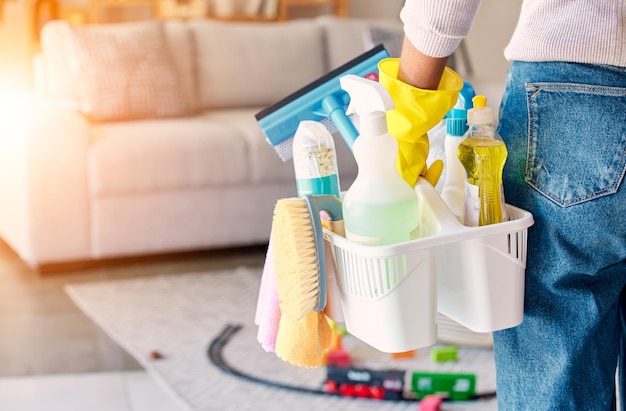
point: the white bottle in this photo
(380, 207)
(453, 191)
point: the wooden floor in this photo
(42, 332)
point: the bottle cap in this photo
(311, 136)
(456, 118)
(480, 114)
(456, 122)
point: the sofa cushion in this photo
(347, 38)
(169, 154)
(124, 72)
(59, 81)
(251, 64)
(180, 46)
(265, 165)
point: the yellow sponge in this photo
(305, 342)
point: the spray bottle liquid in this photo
(453, 189)
(483, 154)
(379, 208)
(315, 160)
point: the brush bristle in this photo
(295, 258)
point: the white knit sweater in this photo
(583, 31)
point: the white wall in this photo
(376, 8)
(15, 46)
(490, 34)
(485, 44)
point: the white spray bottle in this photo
(453, 191)
(380, 207)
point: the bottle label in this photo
(322, 185)
(362, 239)
(368, 240)
(315, 164)
(505, 217)
(415, 233)
(472, 205)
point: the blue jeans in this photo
(565, 129)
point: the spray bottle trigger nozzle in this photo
(366, 96)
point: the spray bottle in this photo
(315, 160)
(380, 207)
(453, 190)
(483, 154)
(315, 165)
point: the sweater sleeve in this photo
(436, 27)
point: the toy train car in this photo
(458, 387)
(364, 383)
(390, 384)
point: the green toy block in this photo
(444, 353)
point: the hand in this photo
(417, 111)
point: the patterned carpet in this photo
(177, 316)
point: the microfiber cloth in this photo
(268, 313)
(304, 342)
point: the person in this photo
(563, 119)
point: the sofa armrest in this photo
(43, 180)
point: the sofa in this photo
(141, 139)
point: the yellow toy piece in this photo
(417, 111)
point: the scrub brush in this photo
(299, 255)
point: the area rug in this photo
(167, 323)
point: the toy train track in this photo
(362, 382)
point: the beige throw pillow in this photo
(124, 72)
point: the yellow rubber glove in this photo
(417, 111)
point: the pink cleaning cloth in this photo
(431, 403)
(267, 310)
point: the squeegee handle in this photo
(335, 110)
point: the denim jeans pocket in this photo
(577, 140)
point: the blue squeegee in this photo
(319, 100)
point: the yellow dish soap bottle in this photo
(483, 154)
(380, 207)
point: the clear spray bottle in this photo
(380, 207)
(315, 160)
(483, 154)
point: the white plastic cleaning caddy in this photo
(390, 294)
